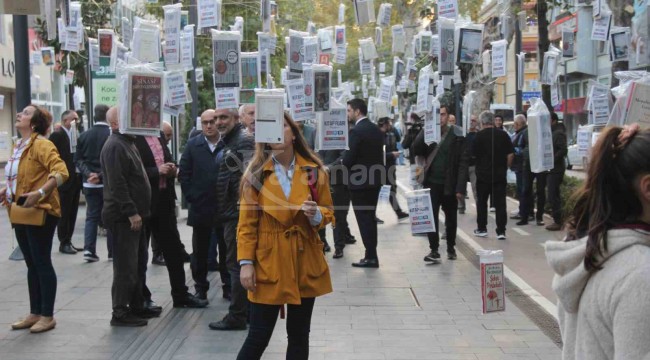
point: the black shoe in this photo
(516, 217)
(201, 294)
(128, 320)
(433, 257)
(214, 266)
(90, 257)
(366, 263)
(338, 253)
(349, 240)
(227, 324)
(76, 248)
(186, 257)
(227, 293)
(151, 305)
(451, 255)
(189, 301)
(402, 216)
(378, 220)
(522, 222)
(326, 247)
(66, 248)
(146, 313)
(158, 260)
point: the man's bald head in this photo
(112, 117)
(208, 114)
(247, 117)
(168, 131)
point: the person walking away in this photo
(365, 163)
(235, 148)
(285, 196)
(127, 198)
(392, 155)
(445, 175)
(555, 176)
(33, 173)
(89, 147)
(494, 154)
(69, 191)
(601, 269)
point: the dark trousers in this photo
(262, 322)
(69, 206)
(127, 290)
(238, 309)
(162, 226)
(449, 206)
(393, 200)
(364, 203)
(520, 189)
(216, 250)
(554, 181)
(36, 244)
(94, 203)
(527, 197)
(199, 262)
(341, 202)
(497, 192)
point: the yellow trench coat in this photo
(275, 234)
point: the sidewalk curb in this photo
(517, 281)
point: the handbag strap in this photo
(312, 180)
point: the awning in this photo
(555, 29)
(574, 106)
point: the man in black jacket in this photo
(89, 147)
(198, 177)
(234, 149)
(555, 176)
(340, 199)
(127, 198)
(445, 174)
(69, 191)
(161, 172)
(365, 164)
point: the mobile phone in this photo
(21, 200)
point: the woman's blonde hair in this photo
(253, 176)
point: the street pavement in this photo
(403, 310)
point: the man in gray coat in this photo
(127, 198)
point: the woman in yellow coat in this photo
(285, 200)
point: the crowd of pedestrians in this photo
(259, 210)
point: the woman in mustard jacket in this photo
(285, 200)
(33, 173)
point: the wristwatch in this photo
(42, 192)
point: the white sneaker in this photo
(480, 233)
(501, 236)
(90, 257)
(493, 209)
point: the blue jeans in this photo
(94, 204)
(36, 244)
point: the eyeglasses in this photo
(208, 122)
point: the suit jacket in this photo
(159, 198)
(198, 177)
(62, 143)
(365, 159)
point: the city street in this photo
(404, 310)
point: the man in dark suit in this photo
(68, 191)
(365, 164)
(161, 172)
(198, 177)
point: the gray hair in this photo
(520, 119)
(241, 109)
(486, 118)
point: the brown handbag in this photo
(19, 215)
